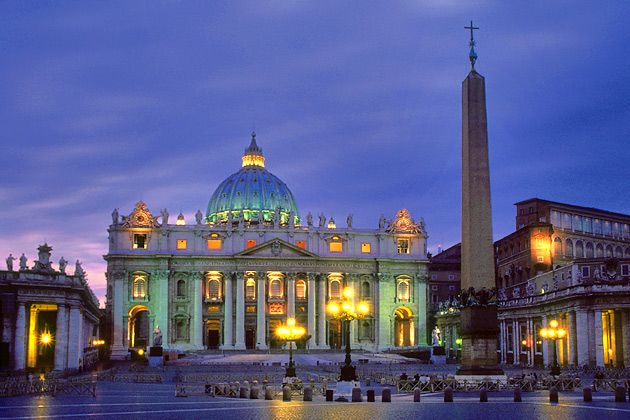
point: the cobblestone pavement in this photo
(158, 401)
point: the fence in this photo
(55, 386)
(232, 389)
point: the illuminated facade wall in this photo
(50, 319)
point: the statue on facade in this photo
(164, 217)
(23, 261)
(556, 283)
(322, 221)
(261, 218)
(309, 219)
(157, 336)
(530, 290)
(241, 221)
(291, 219)
(545, 286)
(349, 220)
(78, 270)
(62, 265)
(596, 274)
(502, 295)
(516, 293)
(381, 222)
(436, 336)
(578, 276)
(276, 218)
(10, 260)
(115, 217)
(199, 217)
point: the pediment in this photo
(276, 248)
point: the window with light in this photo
(403, 290)
(214, 289)
(366, 248)
(181, 244)
(140, 241)
(403, 246)
(300, 289)
(275, 289)
(250, 289)
(139, 288)
(335, 289)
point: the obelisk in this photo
(478, 313)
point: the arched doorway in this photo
(138, 327)
(404, 328)
(213, 333)
(334, 334)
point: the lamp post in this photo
(346, 313)
(290, 333)
(553, 333)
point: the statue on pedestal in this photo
(78, 270)
(62, 265)
(23, 261)
(349, 220)
(115, 217)
(199, 217)
(322, 221)
(10, 260)
(435, 336)
(157, 336)
(309, 219)
(164, 217)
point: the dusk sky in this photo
(356, 105)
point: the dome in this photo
(251, 190)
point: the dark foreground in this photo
(158, 401)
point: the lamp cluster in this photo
(290, 332)
(554, 332)
(347, 312)
(98, 342)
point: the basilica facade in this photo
(230, 278)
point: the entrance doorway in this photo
(42, 337)
(250, 335)
(213, 334)
(404, 328)
(138, 327)
(334, 334)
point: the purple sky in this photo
(357, 108)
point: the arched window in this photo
(181, 288)
(599, 251)
(275, 289)
(589, 250)
(214, 289)
(618, 252)
(569, 248)
(139, 288)
(250, 289)
(558, 245)
(335, 289)
(403, 290)
(365, 289)
(300, 289)
(609, 251)
(626, 253)
(579, 249)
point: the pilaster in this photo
(20, 337)
(311, 309)
(240, 311)
(197, 328)
(599, 338)
(74, 337)
(321, 301)
(261, 321)
(582, 338)
(227, 313)
(118, 350)
(61, 339)
(290, 295)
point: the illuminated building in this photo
(50, 319)
(232, 277)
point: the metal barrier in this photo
(72, 387)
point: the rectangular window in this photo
(434, 298)
(403, 246)
(586, 225)
(214, 243)
(451, 288)
(366, 248)
(433, 276)
(336, 246)
(181, 244)
(625, 269)
(301, 244)
(540, 259)
(577, 222)
(607, 228)
(556, 220)
(251, 243)
(451, 277)
(586, 272)
(140, 241)
(434, 287)
(213, 309)
(597, 226)
(566, 221)
(250, 309)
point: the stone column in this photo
(240, 311)
(118, 349)
(321, 301)
(227, 313)
(421, 298)
(503, 341)
(160, 282)
(582, 337)
(531, 340)
(311, 309)
(375, 309)
(599, 338)
(61, 339)
(261, 310)
(546, 343)
(197, 330)
(74, 338)
(516, 337)
(572, 339)
(20, 337)
(291, 295)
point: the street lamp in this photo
(553, 333)
(346, 313)
(290, 333)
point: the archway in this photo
(404, 328)
(334, 334)
(138, 327)
(213, 333)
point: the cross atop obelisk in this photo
(471, 44)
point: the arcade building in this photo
(229, 278)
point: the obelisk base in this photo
(479, 333)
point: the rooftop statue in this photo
(78, 270)
(10, 260)
(199, 217)
(62, 265)
(23, 261)
(164, 217)
(309, 219)
(322, 221)
(349, 220)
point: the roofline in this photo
(573, 206)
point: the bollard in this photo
(255, 383)
(329, 395)
(370, 395)
(265, 384)
(553, 394)
(483, 394)
(308, 393)
(367, 381)
(587, 393)
(253, 393)
(620, 394)
(517, 395)
(448, 394)
(244, 392)
(382, 381)
(416, 395)
(356, 394)
(269, 393)
(286, 394)
(386, 395)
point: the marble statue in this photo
(115, 217)
(164, 217)
(381, 222)
(62, 265)
(78, 270)
(276, 218)
(157, 336)
(261, 218)
(230, 219)
(199, 217)
(291, 219)
(241, 221)
(10, 260)
(349, 220)
(309, 219)
(23, 261)
(435, 336)
(322, 221)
